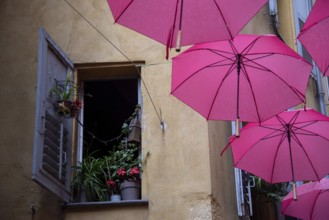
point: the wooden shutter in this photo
(52, 133)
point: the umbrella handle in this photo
(294, 191)
(178, 41)
(237, 127)
(179, 33)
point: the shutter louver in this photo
(53, 133)
(52, 161)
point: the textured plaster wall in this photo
(222, 172)
(176, 178)
(18, 75)
(113, 213)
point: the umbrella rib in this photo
(307, 156)
(264, 55)
(235, 51)
(219, 87)
(273, 136)
(293, 89)
(310, 133)
(251, 44)
(314, 203)
(215, 51)
(123, 11)
(221, 14)
(251, 89)
(210, 65)
(284, 135)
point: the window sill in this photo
(124, 203)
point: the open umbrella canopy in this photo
(312, 203)
(315, 34)
(185, 22)
(251, 78)
(291, 146)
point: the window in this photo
(109, 99)
(109, 93)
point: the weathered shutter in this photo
(52, 133)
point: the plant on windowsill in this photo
(88, 180)
(100, 177)
(65, 94)
(123, 164)
(122, 169)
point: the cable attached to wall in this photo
(120, 51)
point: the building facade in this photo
(184, 176)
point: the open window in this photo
(108, 95)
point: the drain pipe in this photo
(319, 91)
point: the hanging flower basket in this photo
(65, 97)
(67, 108)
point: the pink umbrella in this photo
(291, 146)
(312, 203)
(251, 78)
(185, 22)
(315, 34)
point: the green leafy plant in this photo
(122, 163)
(65, 90)
(89, 177)
(100, 176)
(273, 192)
(65, 94)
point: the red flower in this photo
(110, 183)
(134, 171)
(121, 172)
(77, 104)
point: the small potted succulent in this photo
(65, 97)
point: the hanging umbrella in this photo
(250, 78)
(178, 22)
(291, 146)
(312, 203)
(315, 34)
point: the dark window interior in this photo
(110, 104)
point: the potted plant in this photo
(123, 164)
(123, 171)
(65, 97)
(111, 180)
(88, 180)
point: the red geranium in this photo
(121, 172)
(134, 171)
(110, 183)
(77, 104)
